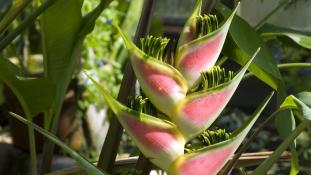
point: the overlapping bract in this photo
(169, 88)
(159, 140)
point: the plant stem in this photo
(86, 28)
(284, 66)
(266, 165)
(112, 141)
(32, 144)
(33, 155)
(228, 168)
(8, 39)
(294, 65)
(14, 11)
(276, 9)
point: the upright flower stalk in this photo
(190, 91)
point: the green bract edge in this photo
(237, 134)
(141, 55)
(200, 40)
(195, 12)
(221, 86)
(117, 107)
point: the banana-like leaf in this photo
(239, 48)
(301, 38)
(198, 111)
(59, 39)
(302, 103)
(35, 94)
(201, 54)
(159, 140)
(210, 160)
(87, 166)
(162, 83)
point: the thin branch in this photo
(232, 163)
(13, 12)
(112, 141)
(9, 38)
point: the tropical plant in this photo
(186, 86)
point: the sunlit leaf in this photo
(35, 94)
(300, 38)
(300, 102)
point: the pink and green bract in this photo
(159, 140)
(211, 159)
(170, 89)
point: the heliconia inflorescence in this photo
(190, 90)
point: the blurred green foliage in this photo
(97, 58)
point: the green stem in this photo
(266, 165)
(14, 11)
(242, 149)
(8, 39)
(284, 66)
(294, 65)
(276, 9)
(32, 145)
(86, 27)
(49, 146)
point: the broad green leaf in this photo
(211, 159)
(305, 97)
(302, 103)
(61, 47)
(267, 164)
(87, 166)
(35, 94)
(300, 38)
(59, 39)
(243, 42)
